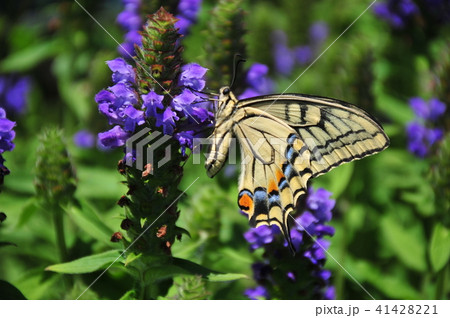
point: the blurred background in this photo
(391, 215)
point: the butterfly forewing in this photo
(334, 131)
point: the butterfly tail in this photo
(287, 236)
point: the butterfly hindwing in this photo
(274, 169)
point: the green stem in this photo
(441, 280)
(58, 221)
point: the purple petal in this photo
(113, 138)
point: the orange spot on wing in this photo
(272, 186)
(280, 175)
(245, 202)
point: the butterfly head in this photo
(226, 102)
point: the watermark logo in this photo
(141, 148)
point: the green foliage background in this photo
(391, 216)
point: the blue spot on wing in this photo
(292, 138)
(261, 202)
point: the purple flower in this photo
(192, 76)
(318, 32)
(257, 293)
(189, 8)
(309, 244)
(129, 20)
(13, 93)
(167, 120)
(421, 138)
(257, 77)
(7, 135)
(306, 222)
(117, 104)
(152, 102)
(249, 93)
(330, 293)
(296, 238)
(320, 203)
(291, 276)
(303, 54)
(187, 14)
(183, 102)
(113, 138)
(122, 71)
(396, 12)
(84, 139)
(324, 274)
(431, 110)
(318, 251)
(186, 139)
(260, 236)
(258, 81)
(283, 55)
(417, 139)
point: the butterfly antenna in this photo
(237, 59)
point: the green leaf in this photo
(2, 244)
(391, 284)
(131, 257)
(226, 277)
(407, 244)
(129, 295)
(9, 292)
(439, 249)
(192, 268)
(87, 219)
(31, 56)
(86, 264)
(28, 210)
(99, 183)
